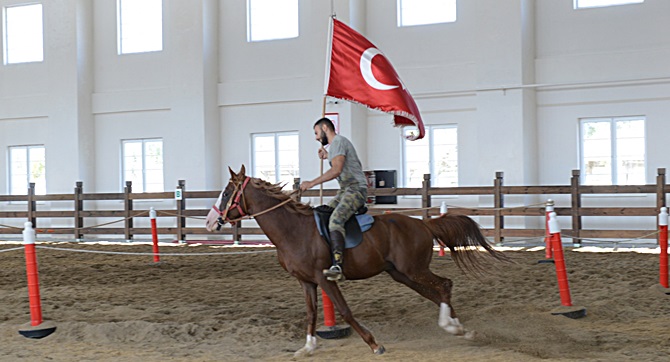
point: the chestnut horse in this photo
(397, 244)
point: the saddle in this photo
(359, 223)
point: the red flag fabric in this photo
(359, 72)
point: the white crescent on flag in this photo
(366, 70)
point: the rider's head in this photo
(321, 128)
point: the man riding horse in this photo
(346, 167)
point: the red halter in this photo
(233, 203)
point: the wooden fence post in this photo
(32, 205)
(660, 192)
(296, 187)
(236, 233)
(576, 206)
(425, 197)
(78, 208)
(128, 208)
(498, 204)
(660, 188)
(181, 207)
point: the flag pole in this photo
(321, 186)
(325, 83)
(323, 114)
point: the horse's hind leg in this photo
(335, 295)
(438, 290)
(427, 291)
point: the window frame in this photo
(143, 158)
(6, 34)
(277, 165)
(614, 168)
(447, 19)
(431, 153)
(10, 174)
(576, 6)
(120, 36)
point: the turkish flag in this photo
(360, 73)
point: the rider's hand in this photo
(323, 154)
(306, 185)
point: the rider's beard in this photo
(323, 138)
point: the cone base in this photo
(573, 312)
(39, 331)
(662, 289)
(334, 332)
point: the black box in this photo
(384, 179)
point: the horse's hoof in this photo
(308, 349)
(456, 330)
(380, 350)
(470, 335)
(303, 352)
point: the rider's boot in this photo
(337, 246)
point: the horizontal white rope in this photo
(12, 249)
(616, 240)
(168, 213)
(11, 227)
(151, 254)
(506, 240)
(449, 206)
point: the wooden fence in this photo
(498, 210)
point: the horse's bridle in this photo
(233, 203)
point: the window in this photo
(613, 151)
(276, 157)
(582, 4)
(139, 26)
(272, 19)
(422, 12)
(27, 164)
(436, 153)
(143, 164)
(23, 34)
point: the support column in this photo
(69, 58)
(506, 115)
(194, 79)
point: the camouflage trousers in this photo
(346, 203)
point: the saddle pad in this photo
(365, 221)
(355, 229)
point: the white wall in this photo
(169, 94)
(618, 43)
(494, 72)
(280, 90)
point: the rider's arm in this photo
(337, 164)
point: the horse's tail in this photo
(464, 238)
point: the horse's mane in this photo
(275, 191)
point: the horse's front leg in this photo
(310, 301)
(335, 295)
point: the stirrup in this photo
(334, 274)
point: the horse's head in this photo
(231, 204)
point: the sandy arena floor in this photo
(240, 307)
